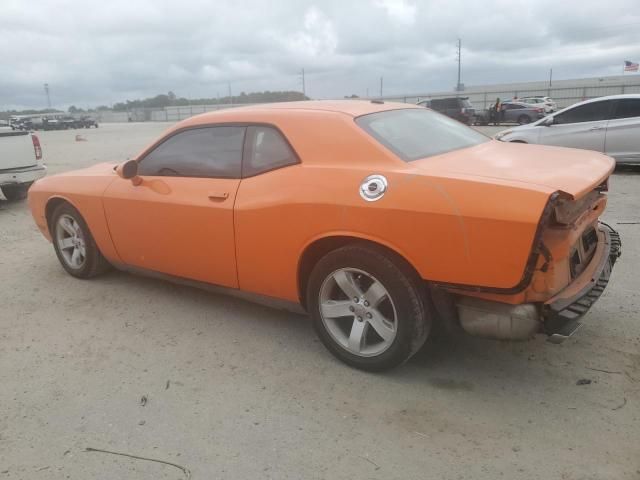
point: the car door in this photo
(179, 220)
(583, 126)
(623, 131)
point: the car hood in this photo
(573, 171)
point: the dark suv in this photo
(459, 108)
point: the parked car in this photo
(520, 113)
(378, 219)
(20, 162)
(458, 108)
(20, 123)
(52, 124)
(512, 112)
(607, 124)
(68, 123)
(546, 102)
(87, 122)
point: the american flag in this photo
(630, 66)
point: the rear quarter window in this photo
(418, 133)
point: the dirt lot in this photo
(239, 391)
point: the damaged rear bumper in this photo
(559, 316)
(563, 312)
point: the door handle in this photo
(596, 128)
(219, 196)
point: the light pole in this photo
(46, 91)
(459, 85)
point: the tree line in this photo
(170, 99)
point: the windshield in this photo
(418, 133)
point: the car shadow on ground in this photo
(446, 362)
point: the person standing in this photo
(497, 109)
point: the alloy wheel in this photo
(70, 241)
(358, 312)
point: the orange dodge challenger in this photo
(378, 219)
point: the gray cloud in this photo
(99, 52)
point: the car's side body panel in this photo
(175, 225)
(487, 244)
(622, 139)
(83, 189)
(586, 135)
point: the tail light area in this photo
(568, 243)
(36, 146)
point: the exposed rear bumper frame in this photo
(562, 316)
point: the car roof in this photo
(352, 108)
(598, 99)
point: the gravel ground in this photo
(239, 391)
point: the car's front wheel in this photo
(74, 245)
(524, 119)
(368, 307)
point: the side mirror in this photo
(129, 171)
(547, 122)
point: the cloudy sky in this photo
(100, 52)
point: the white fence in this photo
(564, 92)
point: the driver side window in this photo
(214, 152)
(590, 112)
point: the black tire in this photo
(16, 192)
(405, 288)
(524, 119)
(94, 263)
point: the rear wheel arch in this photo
(322, 246)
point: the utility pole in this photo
(46, 91)
(459, 85)
(230, 96)
(304, 90)
(550, 76)
(381, 83)
(367, 92)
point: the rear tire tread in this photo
(397, 276)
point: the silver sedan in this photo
(610, 125)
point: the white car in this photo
(610, 125)
(546, 102)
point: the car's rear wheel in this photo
(368, 308)
(524, 119)
(74, 245)
(15, 192)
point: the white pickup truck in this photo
(20, 162)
